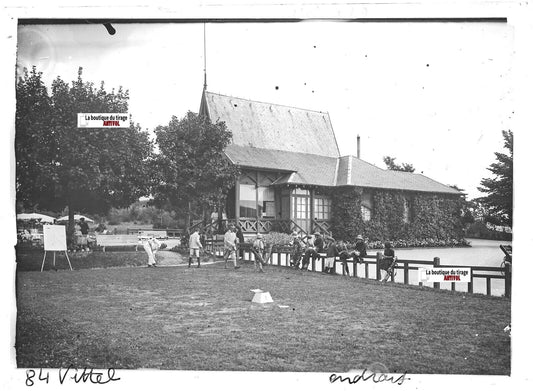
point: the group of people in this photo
(304, 250)
(232, 238)
(309, 248)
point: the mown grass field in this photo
(32, 261)
(203, 319)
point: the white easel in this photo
(55, 239)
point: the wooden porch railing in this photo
(250, 225)
(321, 226)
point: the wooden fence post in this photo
(507, 279)
(378, 270)
(488, 287)
(436, 263)
(406, 273)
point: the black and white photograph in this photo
(314, 192)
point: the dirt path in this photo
(171, 258)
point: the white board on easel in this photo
(55, 238)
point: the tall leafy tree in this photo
(499, 188)
(390, 162)
(59, 164)
(33, 113)
(191, 170)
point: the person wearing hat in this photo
(258, 249)
(360, 249)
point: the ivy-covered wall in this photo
(432, 216)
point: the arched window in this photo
(367, 205)
(407, 209)
(366, 213)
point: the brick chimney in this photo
(358, 147)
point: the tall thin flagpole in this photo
(205, 63)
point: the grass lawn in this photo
(32, 260)
(203, 319)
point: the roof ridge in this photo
(281, 150)
(270, 103)
(334, 135)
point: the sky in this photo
(435, 95)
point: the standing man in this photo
(151, 246)
(230, 247)
(258, 249)
(240, 237)
(194, 246)
(84, 228)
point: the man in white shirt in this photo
(151, 246)
(230, 247)
(194, 246)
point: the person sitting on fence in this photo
(195, 245)
(344, 255)
(230, 247)
(331, 253)
(319, 246)
(258, 249)
(297, 250)
(360, 249)
(387, 260)
(309, 252)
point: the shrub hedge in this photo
(435, 220)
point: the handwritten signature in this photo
(375, 377)
(84, 375)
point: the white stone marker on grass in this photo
(261, 297)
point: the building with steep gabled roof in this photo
(291, 169)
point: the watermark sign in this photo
(444, 274)
(103, 120)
